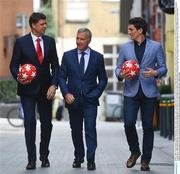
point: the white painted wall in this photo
(36, 5)
(136, 9)
(96, 43)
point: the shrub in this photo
(8, 90)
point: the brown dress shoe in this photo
(132, 159)
(145, 166)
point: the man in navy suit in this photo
(80, 69)
(41, 90)
(142, 91)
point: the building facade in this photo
(102, 18)
(14, 16)
(161, 28)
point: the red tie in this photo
(39, 50)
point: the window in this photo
(110, 58)
(77, 11)
(108, 61)
(109, 86)
(107, 48)
(8, 42)
(109, 73)
(21, 20)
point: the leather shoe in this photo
(31, 165)
(145, 166)
(45, 163)
(91, 166)
(132, 159)
(77, 163)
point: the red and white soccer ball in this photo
(130, 67)
(27, 73)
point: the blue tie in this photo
(82, 62)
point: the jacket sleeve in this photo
(62, 78)
(54, 64)
(161, 64)
(15, 60)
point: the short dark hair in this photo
(85, 30)
(35, 17)
(138, 23)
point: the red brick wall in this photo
(8, 11)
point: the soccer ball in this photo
(130, 67)
(27, 73)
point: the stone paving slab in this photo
(112, 151)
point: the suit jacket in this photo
(72, 80)
(153, 57)
(24, 52)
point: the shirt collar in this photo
(86, 51)
(140, 44)
(35, 37)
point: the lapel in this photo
(31, 47)
(91, 59)
(45, 43)
(146, 50)
(76, 61)
(133, 51)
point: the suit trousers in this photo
(45, 115)
(88, 114)
(147, 107)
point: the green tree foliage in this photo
(47, 10)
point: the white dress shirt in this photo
(34, 38)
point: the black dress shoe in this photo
(91, 166)
(77, 163)
(145, 166)
(31, 165)
(45, 163)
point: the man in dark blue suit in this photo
(80, 69)
(41, 90)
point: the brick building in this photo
(14, 16)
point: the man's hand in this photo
(123, 75)
(51, 92)
(150, 73)
(69, 98)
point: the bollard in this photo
(162, 115)
(156, 117)
(166, 124)
(166, 116)
(171, 119)
(173, 105)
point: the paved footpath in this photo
(112, 151)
